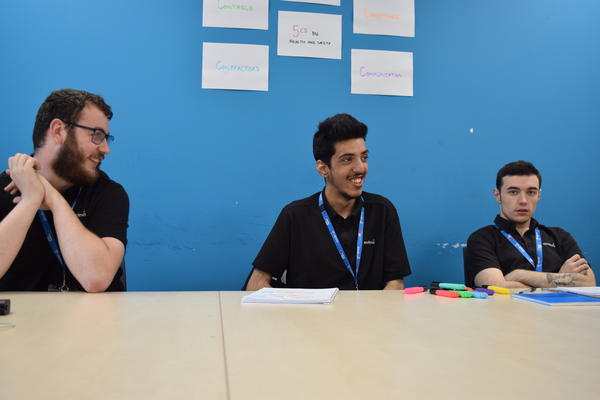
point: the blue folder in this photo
(559, 299)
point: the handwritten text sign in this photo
(327, 2)
(235, 66)
(382, 72)
(385, 17)
(250, 14)
(309, 35)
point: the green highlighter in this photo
(464, 293)
(449, 286)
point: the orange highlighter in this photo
(444, 293)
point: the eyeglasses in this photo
(98, 135)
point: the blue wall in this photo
(208, 171)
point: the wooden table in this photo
(387, 345)
(112, 346)
(367, 345)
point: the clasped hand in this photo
(575, 264)
(27, 184)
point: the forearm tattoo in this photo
(555, 280)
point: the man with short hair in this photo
(63, 222)
(340, 237)
(517, 251)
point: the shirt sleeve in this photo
(110, 215)
(479, 254)
(273, 257)
(568, 245)
(396, 265)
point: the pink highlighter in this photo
(413, 290)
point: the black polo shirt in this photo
(103, 208)
(488, 248)
(301, 244)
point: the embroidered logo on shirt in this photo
(549, 244)
(81, 214)
(372, 241)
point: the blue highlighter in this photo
(479, 295)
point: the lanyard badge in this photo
(338, 245)
(54, 243)
(517, 245)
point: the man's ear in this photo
(322, 169)
(497, 195)
(57, 131)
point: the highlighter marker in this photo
(464, 293)
(451, 286)
(413, 290)
(444, 293)
(498, 289)
(484, 290)
(479, 295)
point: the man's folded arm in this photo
(521, 278)
(482, 263)
(547, 279)
(92, 260)
(495, 277)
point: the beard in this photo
(69, 162)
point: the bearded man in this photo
(63, 221)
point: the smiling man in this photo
(340, 237)
(63, 222)
(517, 251)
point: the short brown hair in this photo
(66, 105)
(518, 168)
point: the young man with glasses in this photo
(63, 222)
(517, 251)
(340, 237)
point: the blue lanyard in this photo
(359, 241)
(538, 248)
(54, 243)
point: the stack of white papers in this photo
(291, 296)
(592, 291)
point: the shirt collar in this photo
(509, 226)
(333, 214)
